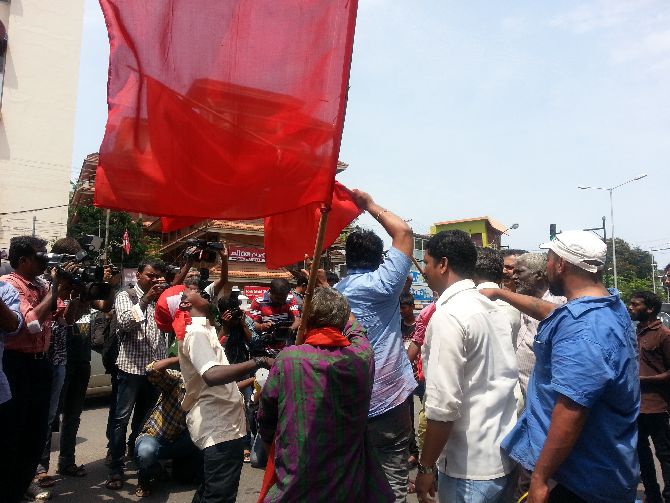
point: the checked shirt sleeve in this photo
(128, 316)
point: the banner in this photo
(246, 254)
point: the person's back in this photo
(374, 300)
(314, 406)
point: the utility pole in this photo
(654, 265)
(34, 225)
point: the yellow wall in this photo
(473, 227)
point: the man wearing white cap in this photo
(578, 433)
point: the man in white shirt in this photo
(471, 373)
(215, 407)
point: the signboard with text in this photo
(255, 291)
(246, 254)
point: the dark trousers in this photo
(112, 408)
(657, 427)
(560, 494)
(222, 469)
(134, 392)
(389, 434)
(73, 395)
(23, 422)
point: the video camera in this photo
(88, 276)
(279, 334)
(201, 250)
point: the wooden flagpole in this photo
(313, 270)
(416, 264)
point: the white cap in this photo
(581, 248)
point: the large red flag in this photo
(224, 109)
(290, 236)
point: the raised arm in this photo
(396, 227)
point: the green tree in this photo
(90, 220)
(634, 268)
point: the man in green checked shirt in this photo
(164, 434)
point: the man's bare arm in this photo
(396, 227)
(567, 423)
(527, 304)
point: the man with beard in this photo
(654, 345)
(509, 262)
(579, 426)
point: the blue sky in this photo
(498, 108)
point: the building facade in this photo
(40, 74)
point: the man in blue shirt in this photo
(373, 287)
(10, 323)
(579, 430)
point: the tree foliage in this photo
(91, 220)
(634, 268)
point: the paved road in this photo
(91, 451)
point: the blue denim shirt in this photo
(10, 297)
(586, 350)
(374, 298)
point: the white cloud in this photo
(600, 14)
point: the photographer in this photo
(140, 343)
(23, 419)
(275, 315)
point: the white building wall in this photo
(38, 114)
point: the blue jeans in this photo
(134, 392)
(149, 450)
(453, 490)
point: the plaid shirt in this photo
(167, 419)
(140, 340)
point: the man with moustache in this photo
(578, 433)
(653, 341)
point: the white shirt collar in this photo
(487, 284)
(456, 288)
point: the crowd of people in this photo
(535, 382)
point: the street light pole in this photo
(611, 191)
(616, 285)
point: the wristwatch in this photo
(425, 469)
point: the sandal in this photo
(114, 482)
(143, 491)
(35, 493)
(247, 456)
(72, 471)
(411, 488)
(44, 480)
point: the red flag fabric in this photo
(126, 242)
(230, 110)
(290, 236)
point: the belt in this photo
(31, 356)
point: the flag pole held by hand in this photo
(313, 270)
